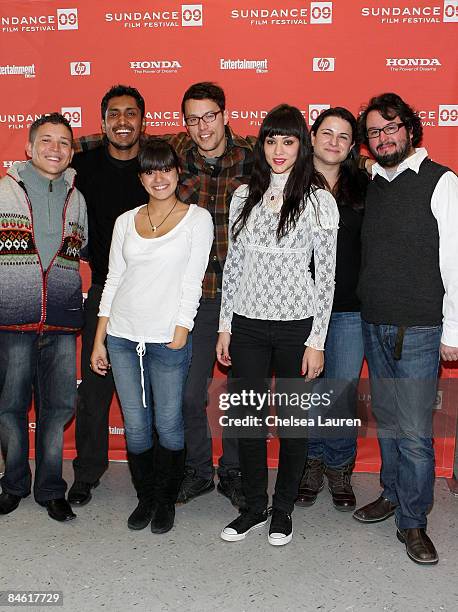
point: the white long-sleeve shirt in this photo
(444, 206)
(266, 279)
(154, 284)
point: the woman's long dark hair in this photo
(350, 188)
(283, 120)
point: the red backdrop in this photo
(65, 55)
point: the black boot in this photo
(339, 481)
(141, 468)
(169, 474)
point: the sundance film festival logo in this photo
(187, 15)
(315, 111)
(315, 13)
(446, 115)
(163, 118)
(80, 68)
(403, 14)
(27, 72)
(18, 121)
(323, 64)
(253, 117)
(155, 66)
(73, 115)
(64, 19)
(413, 64)
(259, 66)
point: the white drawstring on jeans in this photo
(141, 350)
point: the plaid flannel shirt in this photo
(208, 185)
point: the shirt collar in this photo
(413, 162)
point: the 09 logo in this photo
(315, 110)
(67, 19)
(73, 115)
(450, 10)
(321, 12)
(448, 115)
(191, 15)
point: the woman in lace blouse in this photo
(274, 316)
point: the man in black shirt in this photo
(108, 178)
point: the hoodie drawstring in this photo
(141, 350)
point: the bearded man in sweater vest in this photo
(409, 306)
(43, 228)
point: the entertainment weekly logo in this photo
(80, 68)
(27, 72)
(446, 12)
(259, 66)
(324, 64)
(155, 66)
(62, 19)
(186, 15)
(413, 64)
(315, 13)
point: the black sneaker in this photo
(281, 528)
(242, 525)
(231, 487)
(193, 485)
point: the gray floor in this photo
(333, 562)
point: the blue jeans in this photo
(164, 375)
(344, 352)
(403, 393)
(45, 363)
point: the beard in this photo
(390, 160)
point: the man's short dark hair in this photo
(390, 105)
(205, 91)
(54, 118)
(122, 90)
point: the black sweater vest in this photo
(400, 281)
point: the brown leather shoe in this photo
(418, 546)
(311, 484)
(339, 481)
(377, 511)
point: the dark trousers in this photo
(94, 398)
(258, 347)
(197, 435)
(46, 364)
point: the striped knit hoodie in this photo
(31, 299)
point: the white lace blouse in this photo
(270, 280)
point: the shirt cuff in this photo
(449, 335)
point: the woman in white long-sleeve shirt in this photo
(271, 306)
(159, 253)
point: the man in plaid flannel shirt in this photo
(215, 162)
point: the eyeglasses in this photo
(207, 118)
(391, 128)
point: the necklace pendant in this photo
(154, 228)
